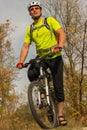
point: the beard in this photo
(36, 17)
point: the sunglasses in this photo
(34, 8)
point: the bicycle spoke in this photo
(41, 107)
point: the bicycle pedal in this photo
(40, 106)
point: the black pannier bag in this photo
(33, 71)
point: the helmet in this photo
(34, 3)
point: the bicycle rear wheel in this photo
(39, 106)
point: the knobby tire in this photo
(31, 87)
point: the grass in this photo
(9, 124)
(67, 128)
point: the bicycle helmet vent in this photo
(34, 3)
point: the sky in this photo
(16, 12)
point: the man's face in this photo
(35, 11)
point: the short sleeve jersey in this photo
(43, 37)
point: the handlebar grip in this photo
(25, 65)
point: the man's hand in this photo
(19, 65)
(56, 49)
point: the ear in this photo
(41, 10)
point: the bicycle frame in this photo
(39, 104)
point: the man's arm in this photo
(61, 37)
(23, 54)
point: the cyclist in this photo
(47, 39)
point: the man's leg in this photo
(56, 66)
(57, 72)
(60, 108)
(61, 119)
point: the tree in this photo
(7, 70)
(70, 16)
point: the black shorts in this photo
(56, 67)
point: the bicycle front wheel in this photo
(39, 106)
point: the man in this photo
(45, 40)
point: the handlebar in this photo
(38, 59)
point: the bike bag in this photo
(33, 71)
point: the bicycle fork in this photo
(46, 87)
(47, 91)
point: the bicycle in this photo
(41, 97)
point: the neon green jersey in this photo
(43, 37)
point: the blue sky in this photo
(16, 12)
